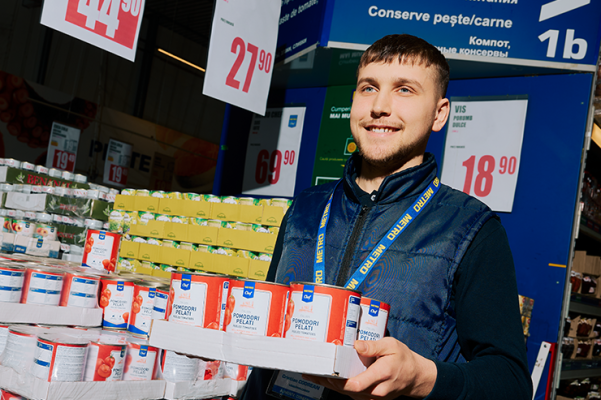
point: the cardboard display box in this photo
(32, 387)
(18, 313)
(124, 202)
(39, 202)
(19, 176)
(202, 389)
(324, 359)
(36, 247)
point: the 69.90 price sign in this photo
(272, 153)
(112, 25)
(483, 148)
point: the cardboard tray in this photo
(32, 387)
(18, 313)
(325, 359)
(203, 389)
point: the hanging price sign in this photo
(241, 52)
(116, 163)
(112, 25)
(483, 148)
(272, 154)
(62, 147)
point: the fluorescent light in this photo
(181, 60)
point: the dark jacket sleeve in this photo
(488, 326)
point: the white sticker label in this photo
(139, 364)
(83, 293)
(44, 289)
(119, 304)
(68, 364)
(179, 368)
(188, 302)
(251, 314)
(101, 250)
(310, 320)
(372, 327)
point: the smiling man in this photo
(454, 330)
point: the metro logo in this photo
(374, 308)
(120, 286)
(249, 290)
(308, 291)
(186, 282)
(143, 351)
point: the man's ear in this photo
(442, 114)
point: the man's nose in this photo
(381, 105)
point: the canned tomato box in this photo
(197, 299)
(116, 299)
(11, 282)
(322, 313)
(256, 308)
(140, 361)
(59, 358)
(140, 316)
(101, 250)
(175, 367)
(80, 290)
(42, 286)
(373, 320)
(105, 360)
(20, 346)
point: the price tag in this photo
(241, 52)
(272, 154)
(62, 147)
(483, 148)
(116, 164)
(112, 25)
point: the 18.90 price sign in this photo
(116, 163)
(272, 154)
(241, 52)
(112, 25)
(483, 148)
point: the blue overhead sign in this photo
(301, 24)
(525, 32)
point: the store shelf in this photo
(578, 369)
(590, 228)
(583, 304)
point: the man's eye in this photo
(369, 89)
(404, 90)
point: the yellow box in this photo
(161, 274)
(202, 234)
(273, 215)
(129, 249)
(201, 261)
(251, 214)
(262, 242)
(150, 252)
(154, 229)
(258, 269)
(196, 209)
(234, 238)
(225, 212)
(143, 270)
(229, 265)
(150, 204)
(175, 231)
(123, 202)
(175, 257)
(171, 206)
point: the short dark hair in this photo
(408, 49)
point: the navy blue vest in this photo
(415, 276)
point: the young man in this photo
(448, 276)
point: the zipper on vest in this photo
(345, 267)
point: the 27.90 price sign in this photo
(483, 148)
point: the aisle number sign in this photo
(483, 148)
(241, 52)
(112, 25)
(272, 153)
(116, 163)
(62, 147)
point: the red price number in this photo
(63, 160)
(116, 20)
(484, 176)
(240, 48)
(118, 174)
(269, 166)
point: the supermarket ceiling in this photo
(189, 18)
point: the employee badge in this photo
(288, 385)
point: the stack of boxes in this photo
(585, 274)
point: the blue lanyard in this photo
(383, 245)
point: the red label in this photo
(64, 160)
(116, 20)
(118, 174)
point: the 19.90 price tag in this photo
(62, 147)
(483, 148)
(241, 52)
(112, 25)
(116, 163)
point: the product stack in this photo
(64, 325)
(579, 389)
(585, 273)
(46, 212)
(166, 232)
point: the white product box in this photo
(31, 387)
(325, 359)
(36, 247)
(203, 389)
(25, 202)
(18, 313)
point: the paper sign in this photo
(116, 163)
(483, 148)
(62, 147)
(112, 25)
(272, 154)
(241, 52)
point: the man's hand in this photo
(397, 371)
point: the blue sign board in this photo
(524, 32)
(301, 23)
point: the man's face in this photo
(395, 108)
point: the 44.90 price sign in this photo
(112, 25)
(483, 148)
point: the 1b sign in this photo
(272, 153)
(483, 148)
(112, 25)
